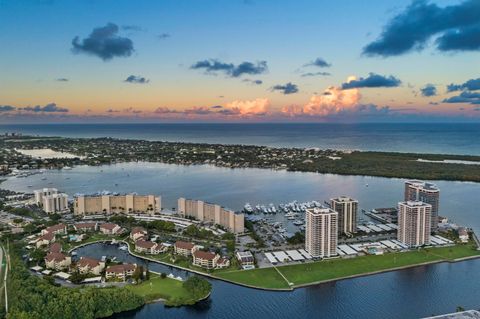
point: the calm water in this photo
(451, 138)
(413, 293)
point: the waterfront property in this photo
(88, 265)
(414, 223)
(110, 229)
(59, 229)
(149, 247)
(213, 213)
(137, 233)
(346, 208)
(321, 232)
(121, 272)
(86, 227)
(429, 193)
(57, 261)
(246, 259)
(184, 249)
(117, 204)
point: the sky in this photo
(239, 61)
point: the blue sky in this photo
(169, 37)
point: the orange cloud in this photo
(332, 101)
(258, 106)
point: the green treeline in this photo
(31, 297)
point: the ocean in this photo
(439, 138)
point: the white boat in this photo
(67, 168)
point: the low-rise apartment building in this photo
(212, 213)
(137, 233)
(57, 261)
(110, 229)
(245, 258)
(45, 240)
(149, 247)
(90, 266)
(86, 227)
(184, 248)
(117, 204)
(59, 229)
(120, 271)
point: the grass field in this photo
(262, 277)
(158, 288)
(300, 274)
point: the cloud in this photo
(332, 101)
(62, 80)
(231, 70)
(319, 62)
(163, 36)
(6, 108)
(260, 106)
(315, 74)
(132, 28)
(464, 97)
(136, 79)
(288, 88)
(372, 81)
(472, 85)
(458, 27)
(104, 43)
(428, 90)
(255, 82)
(164, 110)
(112, 111)
(216, 107)
(48, 108)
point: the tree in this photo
(197, 287)
(38, 255)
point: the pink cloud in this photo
(259, 106)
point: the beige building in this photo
(90, 266)
(57, 261)
(110, 229)
(120, 271)
(59, 229)
(321, 232)
(149, 247)
(137, 233)
(414, 218)
(55, 203)
(45, 240)
(429, 193)
(117, 204)
(86, 227)
(183, 248)
(205, 259)
(213, 213)
(40, 193)
(346, 208)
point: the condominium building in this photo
(205, 259)
(321, 232)
(346, 208)
(55, 203)
(90, 266)
(57, 261)
(149, 247)
(120, 271)
(429, 193)
(117, 204)
(110, 229)
(137, 233)
(58, 229)
(213, 213)
(40, 193)
(414, 218)
(86, 227)
(183, 248)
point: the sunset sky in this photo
(251, 60)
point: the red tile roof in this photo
(145, 244)
(55, 228)
(118, 269)
(109, 226)
(55, 256)
(55, 248)
(47, 236)
(90, 262)
(138, 230)
(204, 255)
(184, 245)
(85, 225)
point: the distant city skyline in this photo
(239, 61)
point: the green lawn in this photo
(311, 272)
(260, 277)
(166, 288)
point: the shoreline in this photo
(292, 159)
(293, 287)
